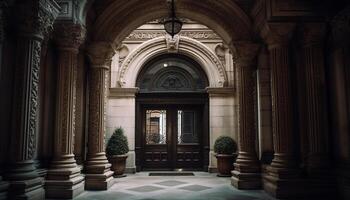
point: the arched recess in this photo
(119, 18)
(194, 49)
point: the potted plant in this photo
(225, 149)
(116, 150)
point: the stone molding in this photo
(115, 93)
(147, 35)
(220, 91)
(196, 50)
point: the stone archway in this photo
(110, 29)
(211, 64)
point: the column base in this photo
(3, 189)
(31, 189)
(99, 181)
(64, 183)
(284, 183)
(246, 181)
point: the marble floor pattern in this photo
(202, 186)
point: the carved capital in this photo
(312, 33)
(100, 53)
(35, 17)
(246, 52)
(277, 34)
(69, 36)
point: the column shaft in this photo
(247, 168)
(312, 36)
(282, 177)
(64, 179)
(98, 173)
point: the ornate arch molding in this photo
(231, 23)
(194, 49)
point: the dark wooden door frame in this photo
(158, 101)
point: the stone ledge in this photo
(220, 91)
(115, 93)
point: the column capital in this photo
(246, 52)
(100, 53)
(311, 33)
(277, 34)
(35, 17)
(69, 36)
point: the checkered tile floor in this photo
(203, 185)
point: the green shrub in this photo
(118, 143)
(225, 145)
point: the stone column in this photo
(3, 185)
(247, 167)
(64, 178)
(34, 19)
(98, 173)
(312, 38)
(283, 169)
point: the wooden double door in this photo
(172, 137)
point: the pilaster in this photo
(247, 167)
(98, 173)
(64, 178)
(34, 19)
(282, 178)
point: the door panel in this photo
(155, 140)
(188, 150)
(172, 138)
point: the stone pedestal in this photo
(282, 178)
(247, 167)
(64, 179)
(98, 173)
(34, 19)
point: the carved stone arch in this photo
(194, 49)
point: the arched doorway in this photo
(172, 115)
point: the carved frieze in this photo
(147, 35)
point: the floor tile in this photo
(195, 188)
(147, 188)
(171, 183)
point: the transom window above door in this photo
(172, 73)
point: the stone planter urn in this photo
(118, 164)
(225, 164)
(225, 148)
(116, 150)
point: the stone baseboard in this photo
(212, 169)
(130, 170)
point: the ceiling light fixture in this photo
(172, 24)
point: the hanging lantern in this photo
(172, 24)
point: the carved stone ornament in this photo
(147, 35)
(100, 53)
(35, 17)
(172, 43)
(69, 35)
